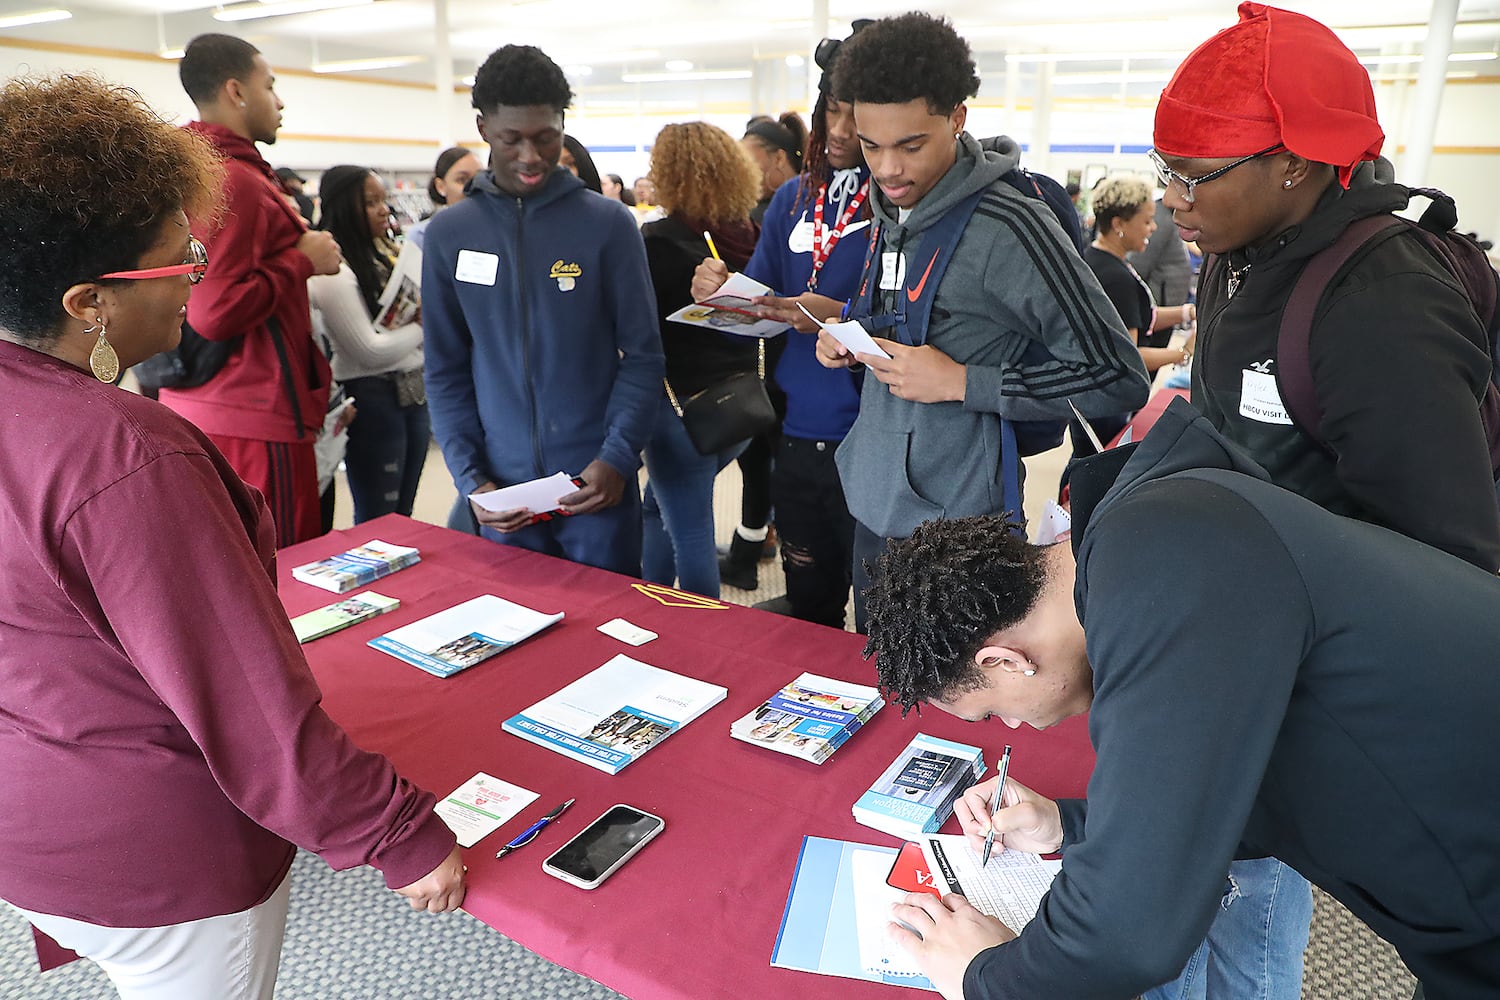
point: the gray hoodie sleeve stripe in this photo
(1063, 277)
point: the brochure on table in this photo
(341, 614)
(729, 310)
(915, 794)
(456, 639)
(480, 806)
(357, 567)
(839, 904)
(615, 713)
(809, 718)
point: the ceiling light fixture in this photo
(678, 66)
(579, 70)
(35, 17)
(361, 65)
(712, 74)
(172, 54)
(795, 61)
(277, 8)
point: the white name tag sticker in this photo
(892, 270)
(1260, 400)
(800, 239)
(476, 267)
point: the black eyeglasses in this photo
(195, 267)
(1165, 175)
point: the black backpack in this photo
(196, 360)
(191, 363)
(1463, 258)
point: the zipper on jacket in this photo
(536, 438)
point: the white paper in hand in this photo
(538, 496)
(851, 334)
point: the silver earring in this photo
(242, 104)
(1030, 673)
(1286, 184)
(103, 361)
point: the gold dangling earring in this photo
(103, 361)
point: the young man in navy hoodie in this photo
(543, 353)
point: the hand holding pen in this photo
(1024, 821)
(529, 834)
(989, 838)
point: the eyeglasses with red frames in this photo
(194, 267)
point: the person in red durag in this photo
(1267, 144)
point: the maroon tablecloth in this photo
(695, 914)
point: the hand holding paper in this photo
(851, 334)
(513, 507)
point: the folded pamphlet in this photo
(357, 567)
(456, 639)
(340, 615)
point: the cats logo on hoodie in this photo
(566, 275)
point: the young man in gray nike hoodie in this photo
(1013, 328)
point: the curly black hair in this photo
(211, 60)
(88, 174)
(900, 59)
(520, 76)
(936, 597)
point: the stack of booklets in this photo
(809, 718)
(340, 615)
(615, 713)
(915, 795)
(465, 634)
(357, 567)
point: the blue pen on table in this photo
(529, 834)
(989, 838)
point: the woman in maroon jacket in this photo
(162, 741)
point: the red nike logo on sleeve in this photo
(913, 294)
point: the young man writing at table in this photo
(1279, 708)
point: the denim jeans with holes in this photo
(1254, 946)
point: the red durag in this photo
(1276, 77)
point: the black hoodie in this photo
(1399, 361)
(1269, 679)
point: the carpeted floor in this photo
(350, 939)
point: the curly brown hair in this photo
(88, 174)
(701, 172)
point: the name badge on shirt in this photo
(892, 270)
(476, 267)
(800, 239)
(1259, 399)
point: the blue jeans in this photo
(387, 449)
(1254, 946)
(677, 541)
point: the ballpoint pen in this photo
(529, 834)
(989, 838)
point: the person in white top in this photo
(380, 368)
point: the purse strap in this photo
(760, 370)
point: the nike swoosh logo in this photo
(913, 294)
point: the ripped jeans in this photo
(1254, 946)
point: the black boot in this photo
(738, 568)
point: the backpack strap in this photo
(1294, 379)
(287, 381)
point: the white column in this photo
(442, 56)
(1041, 126)
(1429, 97)
(1012, 96)
(821, 29)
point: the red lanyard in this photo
(824, 240)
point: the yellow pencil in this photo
(707, 238)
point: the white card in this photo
(476, 267)
(892, 270)
(621, 629)
(800, 239)
(1260, 400)
(851, 334)
(538, 496)
(480, 806)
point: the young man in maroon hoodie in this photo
(264, 408)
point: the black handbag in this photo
(727, 412)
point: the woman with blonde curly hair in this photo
(147, 668)
(706, 183)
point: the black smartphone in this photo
(603, 846)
